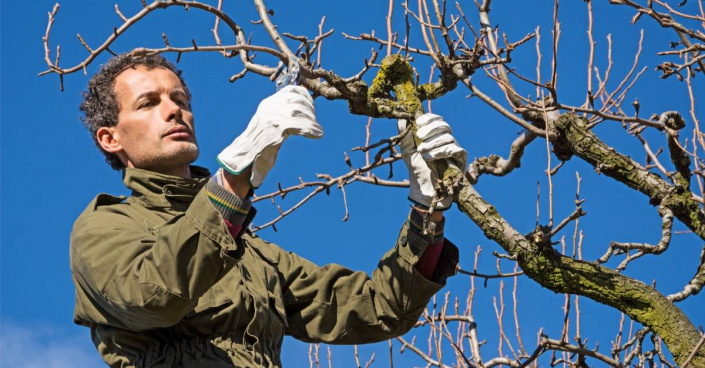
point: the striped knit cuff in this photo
(435, 235)
(233, 209)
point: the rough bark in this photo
(575, 139)
(562, 274)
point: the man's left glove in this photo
(436, 143)
(290, 111)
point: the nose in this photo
(171, 110)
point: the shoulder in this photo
(104, 199)
(103, 204)
(93, 225)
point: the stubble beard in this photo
(169, 162)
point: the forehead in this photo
(134, 81)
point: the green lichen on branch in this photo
(562, 274)
(575, 139)
(393, 92)
(396, 75)
(447, 82)
(377, 100)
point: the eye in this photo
(146, 104)
(182, 102)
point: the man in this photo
(170, 277)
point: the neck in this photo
(182, 172)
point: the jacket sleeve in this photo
(333, 304)
(131, 276)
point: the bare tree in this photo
(462, 52)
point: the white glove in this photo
(290, 111)
(437, 143)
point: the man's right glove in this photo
(290, 111)
(437, 143)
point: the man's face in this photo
(155, 129)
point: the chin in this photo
(183, 156)
(188, 156)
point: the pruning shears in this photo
(287, 76)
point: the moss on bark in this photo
(645, 305)
(396, 75)
(562, 274)
(575, 139)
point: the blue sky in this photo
(51, 170)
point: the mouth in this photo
(179, 132)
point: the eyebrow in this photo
(144, 94)
(152, 93)
(180, 93)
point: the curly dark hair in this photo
(100, 107)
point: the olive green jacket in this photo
(162, 283)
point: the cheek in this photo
(134, 128)
(124, 137)
(188, 118)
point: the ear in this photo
(108, 140)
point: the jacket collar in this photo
(160, 190)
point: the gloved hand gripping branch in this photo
(436, 142)
(290, 111)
